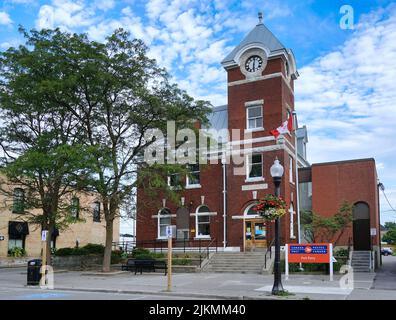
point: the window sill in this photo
(255, 130)
(193, 186)
(255, 179)
(162, 238)
(203, 238)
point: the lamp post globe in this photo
(277, 171)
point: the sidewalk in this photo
(207, 285)
(212, 285)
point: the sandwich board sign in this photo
(309, 253)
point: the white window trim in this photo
(202, 214)
(247, 118)
(159, 216)
(195, 185)
(291, 166)
(291, 212)
(250, 216)
(253, 179)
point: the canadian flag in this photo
(286, 127)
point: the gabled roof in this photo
(261, 35)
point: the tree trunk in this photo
(108, 246)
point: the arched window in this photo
(164, 220)
(249, 210)
(202, 222)
(18, 205)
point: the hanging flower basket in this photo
(271, 207)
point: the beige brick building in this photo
(17, 232)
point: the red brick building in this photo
(216, 205)
(325, 186)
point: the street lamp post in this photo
(277, 173)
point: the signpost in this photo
(170, 233)
(44, 234)
(309, 253)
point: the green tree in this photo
(390, 225)
(115, 94)
(318, 228)
(390, 236)
(41, 150)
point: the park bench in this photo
(129, 266)
(149, 265)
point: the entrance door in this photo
(255, 235)
(361, 227)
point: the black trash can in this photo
(33, 272)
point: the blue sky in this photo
(346, 90)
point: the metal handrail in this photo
(207, 251)
(269, 249)
(159, 244)
(349, 249)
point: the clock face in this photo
(254, 63)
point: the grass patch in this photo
(284, 293)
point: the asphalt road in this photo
(385, 278)
(38, 294)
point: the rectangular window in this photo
(254, 117)
(203, 226)
(18, 205)
(15, 243)
(163, 223)
(193, 178)
(291, 170)
(255, 166)
(96, 212)
(75, 208)
(174, 180)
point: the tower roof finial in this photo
(260, 17)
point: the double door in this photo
(255, 235)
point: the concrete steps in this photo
(361, 261)
(250, 262)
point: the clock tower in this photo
(261, 72)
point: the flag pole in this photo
(297, 180)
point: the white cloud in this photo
(5, 18)
(66, 14)
(104, 4)
(346, 97)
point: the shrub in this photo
(92, 248)
(116, 256)
(312, 267)
(143, 257)
(181, 262)
(139, 251)
(341, 253)
(64, 252)
(17, 252)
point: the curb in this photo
(174, 294)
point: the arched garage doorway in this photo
(361, 226)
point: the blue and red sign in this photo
(309, 253)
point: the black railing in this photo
(159, 245)
(349, 246)
(269, 251)
(206, 251)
